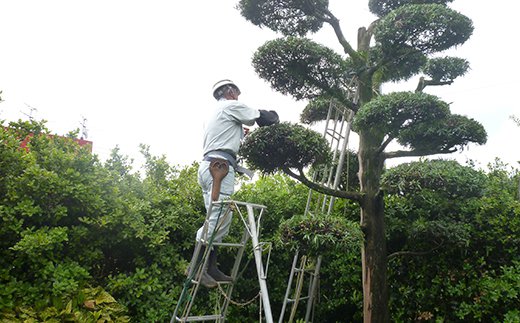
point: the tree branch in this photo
(355, 196)
(413, 253)
(385, 144)
(416, 153)
(424, 83)
(349, 50)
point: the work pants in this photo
(217, 213)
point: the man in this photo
(223, 133)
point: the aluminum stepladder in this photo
(337, 130)
(250, 215)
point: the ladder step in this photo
(292, 300)
(224, 244)
(308, 270)
(199, 318)
(193, 281)
(228, 244)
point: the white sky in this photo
(141, 71)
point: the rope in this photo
(235, 302)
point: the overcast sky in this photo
(141, 71)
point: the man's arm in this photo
(267, 118)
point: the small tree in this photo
(400, 43)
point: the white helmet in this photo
(221, 84)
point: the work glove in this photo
(267, 118)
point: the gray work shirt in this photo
(223, 129)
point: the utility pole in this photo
(84, 131)
(31, 111)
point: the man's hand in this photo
(267, 118)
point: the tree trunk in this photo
(374, 254)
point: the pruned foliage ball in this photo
(316, 234)
(290, 17)
(316, 110)
(446, 177)
(442, 135)
(445, 68)
(383, 7)
(284, 145)
(301, 68)
(349, 180)
(428, 28)
(397, 111)
(398, 64)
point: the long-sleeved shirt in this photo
(223, 129)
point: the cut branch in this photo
(355, 196)
(424, 83)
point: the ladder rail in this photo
(234, 274)
(289, 283)
(312, 290)
(259, 267)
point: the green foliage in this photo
(349, 180)
(490, 292)
(454, 235)
(442, 135)
(283, 198)
(383, 7)
(428, 28)
(407, 33)
(424, 209)
(149, 292)
(398, 111)
(284, 145)
(316, 110)
(319, 234)
(302, 68)
(443, 69)
(293, 17)
(446, 177)
(88, 305)
(68, 223)
(396, 64)
(340, 275)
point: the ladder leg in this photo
(234, 274)
(289, 285)
(259, 267)
(183, 307)
(313, 288)
(298, 288)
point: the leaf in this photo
(90, 304)
(105, 297)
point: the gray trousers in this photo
(227, 188)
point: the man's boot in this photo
(213, 271)
(205, 279)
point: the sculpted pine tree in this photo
(401, 43)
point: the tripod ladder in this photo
(337, 130)
(250, 215)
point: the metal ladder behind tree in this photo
(337, 130)
(250, 215)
